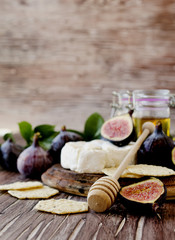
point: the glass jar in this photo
(122, 102)
(151, 105)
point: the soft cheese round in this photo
(91, 161)
(115, 154)
(70, 154)
(93, 156)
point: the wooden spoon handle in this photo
(148, 127)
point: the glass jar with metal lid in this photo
(151, 105)
(122, 102)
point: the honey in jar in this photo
(153, 106)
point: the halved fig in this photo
(119, 130)
(173, 156)
(144, 196)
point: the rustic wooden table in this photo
(20, 221)
(60, 62)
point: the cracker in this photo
(150, 170)
(141, 170)
(130, 175)
(61, 206)
(125, 174)
(34, 193)
(111, 171)
(21, 185)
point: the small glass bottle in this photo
(151, 105)
(122, 102)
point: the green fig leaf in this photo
(93, 126)
(45, 130)
(91, 131)
(26, 131)
(45, 143)
(7, 136)
(75, 131)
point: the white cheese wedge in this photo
(91, 161)
(95, 144)
(93, 156)
(115, 154)
(70, 155)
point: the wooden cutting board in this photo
(69, 181)
(79, 183)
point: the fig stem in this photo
(159, 126)
(63, 128)
(158, 215)
(155, 207)
(35, 139)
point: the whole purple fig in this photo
(34, 160)
(59, 141)
(157, 149)
(9, 153)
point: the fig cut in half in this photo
(173, 156)
(118, 130)
(144, 196)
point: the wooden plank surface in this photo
(20, 221)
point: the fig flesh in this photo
(59, 141)
(119, 130)
(173, 156)
(9, 153)
(144, 196)
(157, 149)
(34, 160)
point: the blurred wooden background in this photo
(60, 60)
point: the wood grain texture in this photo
(20, 221)
(62, 59)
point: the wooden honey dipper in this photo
(103, 192)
